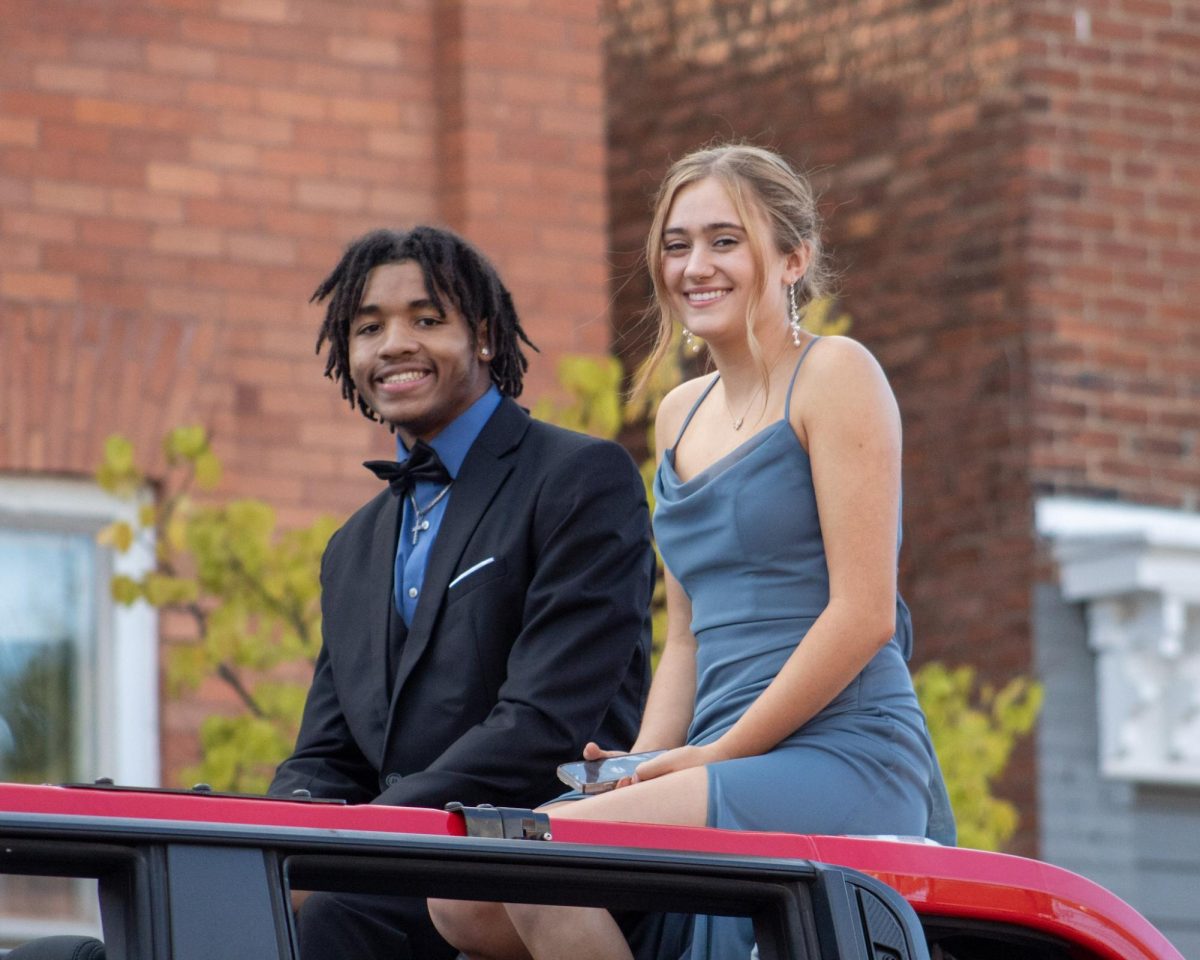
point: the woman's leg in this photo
(479, 929)
(491, 931)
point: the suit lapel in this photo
(381, 563)
(483, 472)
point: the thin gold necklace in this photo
(738, 421)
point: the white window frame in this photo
(126, 710)
(1137, 571)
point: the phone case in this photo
(600, 776)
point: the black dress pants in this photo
(368, 926)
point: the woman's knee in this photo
(481, 930)
(468, 924)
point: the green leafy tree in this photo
(974, 733)
(249, 591)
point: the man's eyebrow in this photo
(423, 304)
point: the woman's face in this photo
(709, 269)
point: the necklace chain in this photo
(738, 421)
(420, 524)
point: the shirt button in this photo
(412, 592)
(392, 779)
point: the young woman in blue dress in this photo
(782, 698)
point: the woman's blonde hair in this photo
(755, 178)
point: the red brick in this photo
(330, 137)
(71, 78)
(294, 163)
(72, 197)
(22, 131)
(258, 11)
(38, 225)
(108, 173)
(399, 144)
(112, 113)
(112, 233)
(223, 96)
(255, 129)
(188, 241)
(330, 80)
(258, 189)
(39, 286)
(221, 213)
(192, 61)
(110, 51)
(373, 113)
(223, 154)
(72, 138)
(365, 51)
(81, 261)
(257, 71)
(286, 103)
(205, 31)
(177, 178)
(231, 277)
(138, 205)
(262, 248)
(47, 106)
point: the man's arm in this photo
(586, 620)
(326, 760)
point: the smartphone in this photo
(598, 776)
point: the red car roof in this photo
(937, 881)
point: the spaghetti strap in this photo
(787, 401)
(695, 407)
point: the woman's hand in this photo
(681, 758)
(593, 751)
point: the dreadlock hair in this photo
(453, 270)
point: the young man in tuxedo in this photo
(487, 613)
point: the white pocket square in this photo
(470, 570)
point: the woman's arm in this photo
(673, 691)
(845, 414)
(671, 701)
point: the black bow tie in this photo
(423, 463)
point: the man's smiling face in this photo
(415, 365)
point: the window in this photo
(78, 674)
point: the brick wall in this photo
(176, 176)
(1112, 100)
(909, 115)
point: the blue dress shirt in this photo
(452, 445)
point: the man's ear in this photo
(483, 342)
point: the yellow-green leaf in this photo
(185, 442)
(125, 590)
(208, 470)
(118, 452)
(118, 535)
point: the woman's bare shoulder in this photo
(841, 369)
(844, 363)
(675, 406)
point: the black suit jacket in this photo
(531, 635)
